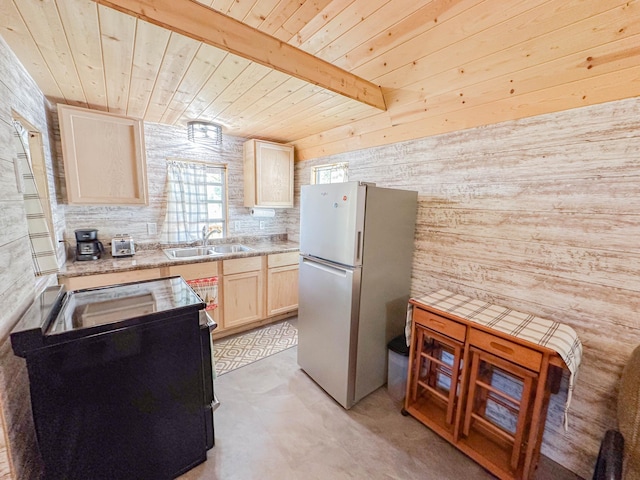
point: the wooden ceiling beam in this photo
(204, 24)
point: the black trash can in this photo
(398, 367)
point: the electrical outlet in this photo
(261, 224)
(236, 225)
(152, 228)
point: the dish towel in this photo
(556, 336)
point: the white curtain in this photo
(186, 202)
(42, 251)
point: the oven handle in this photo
(206, 320)
(215, 404)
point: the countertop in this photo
(149, 256)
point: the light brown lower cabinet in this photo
(485, 392)
(282, 283)
(242, 291)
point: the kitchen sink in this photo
(208, 251)
(190, 252)
(231, 248)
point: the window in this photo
(216, 204)
(331, 173)
(196, 202)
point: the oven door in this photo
(211, 403)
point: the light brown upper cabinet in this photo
(104, 157)
(268, 174)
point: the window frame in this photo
(330, 167)
(225, 197)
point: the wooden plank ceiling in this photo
(443, 65)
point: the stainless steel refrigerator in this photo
(356, 251)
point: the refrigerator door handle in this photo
(359, 245)
(326, 266)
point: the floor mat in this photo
(240, 350)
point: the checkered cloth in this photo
(556, 336)
(186, 202)
(43, 253)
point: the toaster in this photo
(122, 246)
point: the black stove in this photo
(121, 379)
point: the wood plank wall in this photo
(541, 215)
(19, 94)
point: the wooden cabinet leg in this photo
(416, 363)
(453, 388)
(538, 418)
(473, 377)
(523, 414)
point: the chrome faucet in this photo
(206, 235)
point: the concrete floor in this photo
(274, 422)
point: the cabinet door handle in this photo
(502, 348)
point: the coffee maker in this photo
(87, 245)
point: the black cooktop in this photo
(58, 315)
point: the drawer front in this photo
(241, 265)
(104, 279)
(506, 349)
(282, 259)
(195, 270)
(440, 324)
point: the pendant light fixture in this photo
(204, 132)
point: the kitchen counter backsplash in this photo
(151, 255)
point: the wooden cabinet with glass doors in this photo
(434, 379)
(485, 392)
